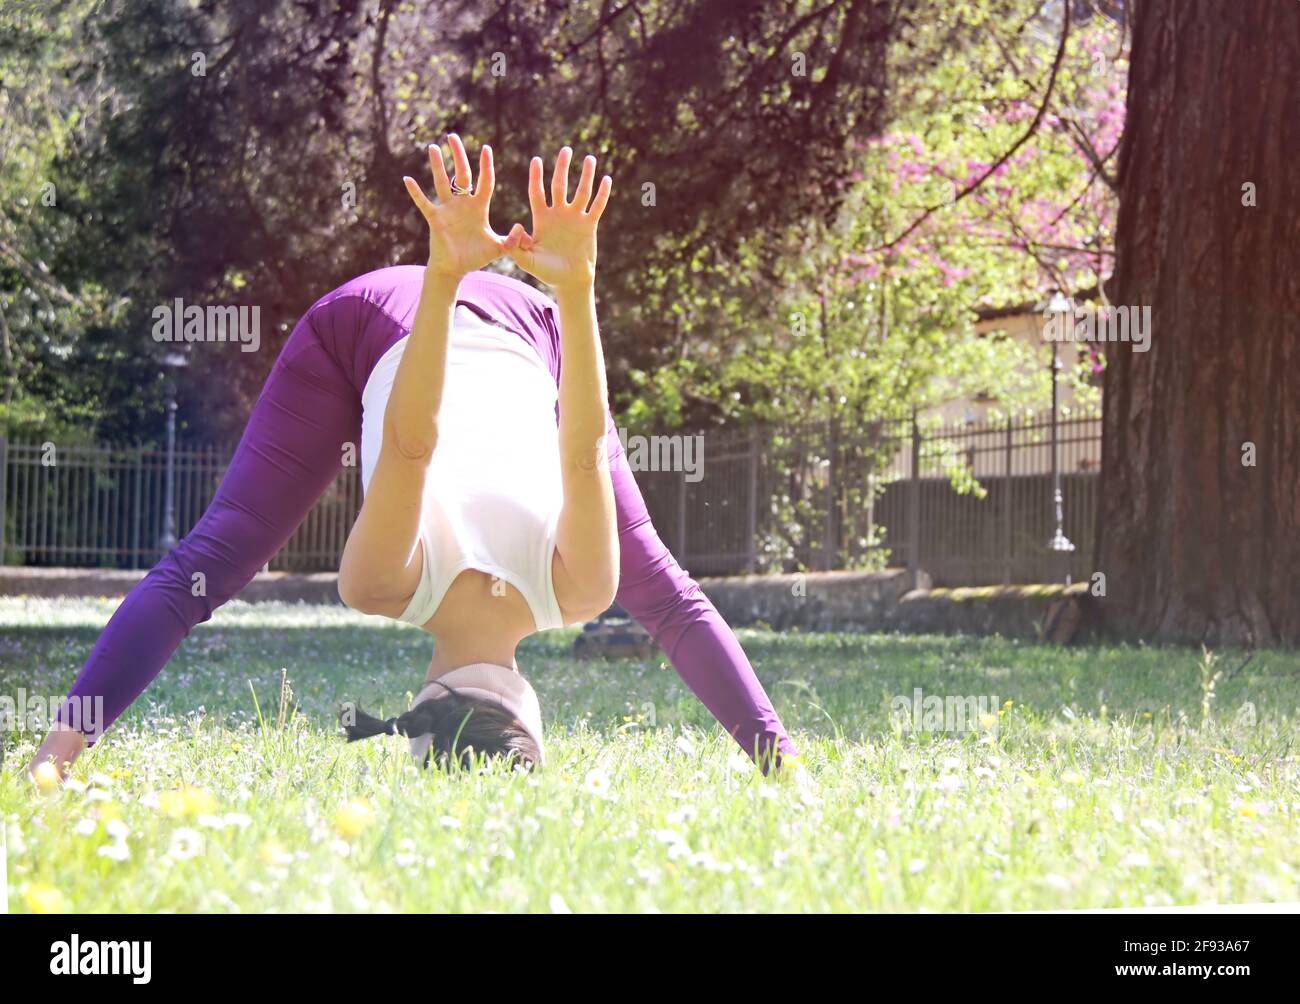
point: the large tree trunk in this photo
(1196, 546)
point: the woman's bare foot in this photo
(59, 751)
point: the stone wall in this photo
(288, 587)
(891, 600)
(895, 600)
(1046, 612)
(813, 601)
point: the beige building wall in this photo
(986, 453)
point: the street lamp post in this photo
(174, 362)
(1059, 545)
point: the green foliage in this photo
(251, 153)
(43, 308)
(872, 312)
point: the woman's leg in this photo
(667, 602)
(291, 450)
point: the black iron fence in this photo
(969, 503)
(105, 506)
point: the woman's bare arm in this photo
(382, 561)
(561, 251)
(586, 540)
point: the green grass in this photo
(1104, 784)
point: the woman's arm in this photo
(381, 563)
(561, 251)
(586, 537)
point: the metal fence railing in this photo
(969, 503)
(105, 506)
(762, 499)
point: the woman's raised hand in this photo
(561, 250)
(461, 239)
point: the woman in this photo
(480, 523)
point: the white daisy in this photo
(596, 783)
(186, 843)
(116, 851)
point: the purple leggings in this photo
(308, 415)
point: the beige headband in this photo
(484, 681)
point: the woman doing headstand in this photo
(483, 519)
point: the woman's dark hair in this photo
(461, 728)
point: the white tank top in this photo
(492, 495)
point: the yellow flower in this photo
(272, 853)
(187, 801)
(172, 803)
(353, 818)
(235, 747)
(45, 899)
(46, 776)
(1072, 777)
(1247, 810)
(198, 802)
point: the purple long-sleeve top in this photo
(306, 421)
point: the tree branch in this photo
(1085, 146)
(1033, 127)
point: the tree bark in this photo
(1195, 544)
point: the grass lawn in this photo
(1105, 777)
